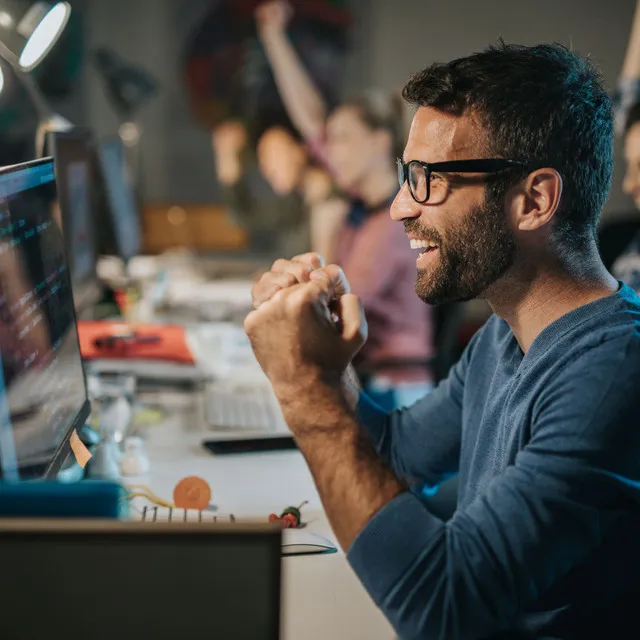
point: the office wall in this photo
(177, 164)
(391, 39)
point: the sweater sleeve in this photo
(535, 522)
(422, 443)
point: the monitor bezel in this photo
(50, 469)
(87, 290)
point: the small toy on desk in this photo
(192, 493)
(134, 461)
(290, 518)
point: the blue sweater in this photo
(545, 542)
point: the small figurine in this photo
(290, 518)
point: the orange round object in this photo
(192, 493)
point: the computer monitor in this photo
(120, 198)
(113, 579)
(43, 395)
(73, 153)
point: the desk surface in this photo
(322, 598)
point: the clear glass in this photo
(112, 399)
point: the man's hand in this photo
(273, 17)
(228, 140)
(293, 332)
(284, 274)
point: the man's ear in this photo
(537, 199)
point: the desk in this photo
(322, 598)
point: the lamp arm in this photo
(37, 99)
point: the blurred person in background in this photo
(359, 142)
(627, 106)
(277, 212)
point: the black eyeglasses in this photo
(425, 187)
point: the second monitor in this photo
(120, 199)
(73, 152)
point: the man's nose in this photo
(404, 206)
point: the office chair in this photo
(448, 319)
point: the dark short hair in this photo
(542, 104)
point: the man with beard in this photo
(506, 169)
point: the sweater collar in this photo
(550, 335)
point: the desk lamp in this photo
(28, 32)
(128, 88)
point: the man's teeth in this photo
(422, 244)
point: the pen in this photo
(127, 339)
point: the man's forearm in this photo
(352, 480)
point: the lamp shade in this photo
(28, 30)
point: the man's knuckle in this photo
(296, 299)
(280, 295)
(312, 259)
(249, 323)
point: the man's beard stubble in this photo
(472, 256)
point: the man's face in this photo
(353, 148)
(474, 246)
(631, 184)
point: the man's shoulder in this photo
(596, 361)
(615, 325)
(604, 334)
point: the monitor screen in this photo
(120, 198)
(72, 151)
(43, 395)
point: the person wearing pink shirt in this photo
(359, 142)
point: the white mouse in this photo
(302, 542)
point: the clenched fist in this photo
(306, 325)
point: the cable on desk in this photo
(142, 491)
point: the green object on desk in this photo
(148, 417)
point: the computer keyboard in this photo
(243, 408)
